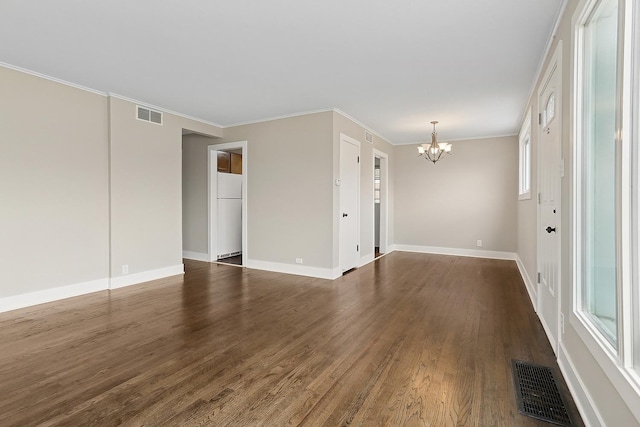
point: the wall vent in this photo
(368, 137)
(147, 115)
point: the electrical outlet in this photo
(298, 260)
(125, 269)
(562, 323)
(479, 243)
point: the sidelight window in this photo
(606, 234)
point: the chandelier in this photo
(434, 151)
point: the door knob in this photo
(549, 229)
(344, 214)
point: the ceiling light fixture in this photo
(434, 151)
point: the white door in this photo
(549, 173)
(349, 203)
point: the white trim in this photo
(359, 123)
(626, 386)
(384, 201)
(284, 116)
(352, 141)
(472, 138)
(54, 294)
(364, 260)
(547, 49)
(531, 288)
(455, 251)
(212, 194)
(300, 270)
(52, 79)
(583, 400)
(145, 276)
(164, 110)
(524, 165)
(554, 66)
(196, 256)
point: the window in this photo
(607, 182)
(525, 158)
(599, 172)
(550, 109)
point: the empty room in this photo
(420, 213)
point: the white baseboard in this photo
(366, 260)
(48, 295)
(455, 251)
(531, 288)
(590, 415)
(145, 276)
(196, 256)
(301, 270)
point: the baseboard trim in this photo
(54, 294)
(366, 260)
(531, 289)
(455, 251)
(196, 256)
(145, 276)
(300, 270)
(585, 404)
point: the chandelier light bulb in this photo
(434, 151)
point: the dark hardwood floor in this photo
(411, 339)
(234, 260)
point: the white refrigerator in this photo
(229, 215)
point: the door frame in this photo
(347, 139)
(384, 202)
(555, 66)
(212, 172)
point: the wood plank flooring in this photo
(411, 339)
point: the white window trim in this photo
(617, 363)
(524, 136)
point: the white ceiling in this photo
(392, 65)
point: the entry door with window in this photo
(549, 202)
(349, 203)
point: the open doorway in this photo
(380, 196)
(228, 203)
(195, 220)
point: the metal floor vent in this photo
(537, 394)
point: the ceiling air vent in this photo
(368, 137)
(148, 115)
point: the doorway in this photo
(549, 198)
(228, 203)
(380, 187)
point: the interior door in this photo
(349, 203)
(549, 204)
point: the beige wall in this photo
(82, 183)
(527, 209)
(575, 357)
(289, 189)
(468, 196)
(54, 184)
(146, 189)
(195, 210)
(344, 125)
